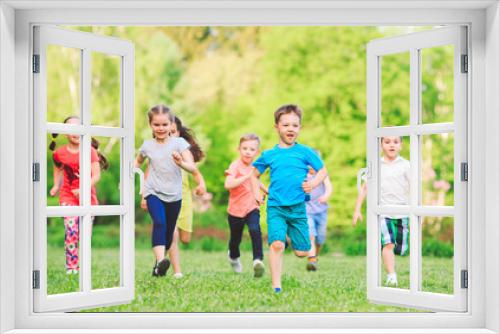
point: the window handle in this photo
(136, 170)
(363, 172)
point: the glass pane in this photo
(105, 160)
(106, 73)
(437, 254)
(394, 169)
(106, 252)
(63, 169)
(437, 84)
(394, 231)
(63, 83)
(395, 89)
(437, 169)
(62, 255)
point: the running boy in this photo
(289, 163)
(394, 190)
(242, 208)
(317, 217)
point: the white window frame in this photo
(16, 19)
(412, 44)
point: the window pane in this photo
(63, 169)
(437, 169)
(395, 89)
(437, 254)
(437, 84)
(106, 252)
(63, 83)
(62, 255)
(106, 74)
(105, 160)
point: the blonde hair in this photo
(249, 137)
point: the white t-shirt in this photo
(164, 179)
(394, 183)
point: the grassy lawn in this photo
(209, 285)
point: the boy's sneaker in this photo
(312, 264)
(235, 264)
(178, 275)
(258, 268)
(392, 280)
(160, 268)
(277, 290)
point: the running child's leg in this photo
(236, 226)
(321, 224)
(389, 258)
(253, 221)
(71, 238)
(172, 210)
(276, 262)
(173, 253)
(158, 238)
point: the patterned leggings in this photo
(72, 234)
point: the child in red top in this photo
(242, 208)
(67, 183)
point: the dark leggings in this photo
(236, 226)
(164, 216)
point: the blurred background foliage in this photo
(226, 81)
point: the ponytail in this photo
(188, 135)
(103, 162)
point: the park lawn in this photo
(209, 285)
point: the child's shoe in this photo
(277, 290)
(178, 275)
(72, 271)
(312, 263)
(392, 280)
(258, 268)
(160, 268)
(235, 264)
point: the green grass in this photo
(209, 285)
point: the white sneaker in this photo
(178, 275)
(392, 280)
(258, 268)
(235, 264)
(72, 272)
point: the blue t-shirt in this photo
(289, 167)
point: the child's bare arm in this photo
(256, 186)
(139, 159)
(95, 173)
(58, 172)
(263, 188)
(359, 202)
(232, 182)
(201, 188)
(185, 160)
(328, 190)
(319, 178)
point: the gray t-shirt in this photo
(164, 179)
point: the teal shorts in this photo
(291, 220)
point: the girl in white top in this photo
(162, 194)
(394, 190)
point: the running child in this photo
(162, 193)
(242, 208)
(184, 227)
(289, 163)
(394, 190)
(67, 183)
(317, 218)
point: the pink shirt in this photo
(241, 198)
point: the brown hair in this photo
(249, 137)
(188, 134)
(287, 109)
(160, 109)
(103, 162)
